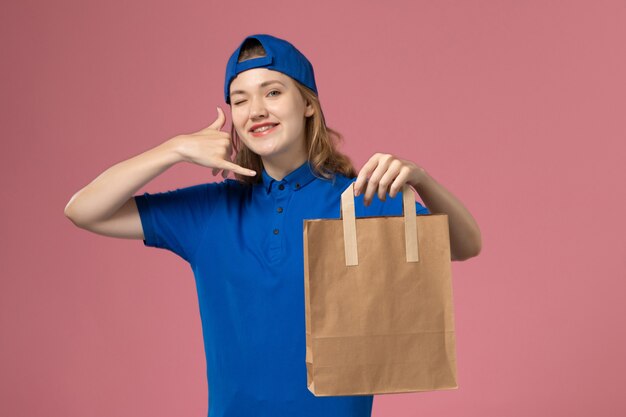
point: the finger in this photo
(214, 171)
(372, 184)
(218, 124)
(388, 178)
(225, 173)
(364, 173)
(236, 168)
(399, 182)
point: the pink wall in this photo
(516, 107)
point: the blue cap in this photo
(280, 56)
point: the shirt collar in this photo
(296, 179)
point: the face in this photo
(259, 96)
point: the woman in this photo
(243, 237)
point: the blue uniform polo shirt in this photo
(244, 244)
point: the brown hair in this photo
(321, 140)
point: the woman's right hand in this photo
(211, 148)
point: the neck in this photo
(280, 169)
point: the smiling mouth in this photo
(264, 130)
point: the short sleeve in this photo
(176, 220)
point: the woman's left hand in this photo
(384, 173)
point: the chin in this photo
(266, 154)
(261, 147)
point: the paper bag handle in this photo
(349, 225)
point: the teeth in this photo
(264, 128)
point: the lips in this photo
(265, 132)
(261, 125)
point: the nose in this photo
(257, 108)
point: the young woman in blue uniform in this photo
(243, 237)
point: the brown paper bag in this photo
(378, 302)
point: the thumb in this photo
(219, 122)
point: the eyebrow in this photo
(263, 84)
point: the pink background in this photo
(516, 107)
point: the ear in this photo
(309, 110)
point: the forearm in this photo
(465, 237)
(103, 196)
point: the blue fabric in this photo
(250, 284)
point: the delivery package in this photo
(378, 302)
